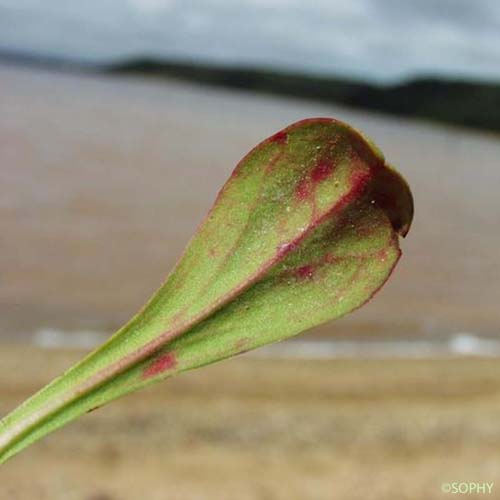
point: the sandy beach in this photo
(261, 430)
(104, 179)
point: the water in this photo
(103, 181)
(460, 344)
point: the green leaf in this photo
(305, 230)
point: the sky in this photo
(382, 40)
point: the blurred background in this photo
(120, 120)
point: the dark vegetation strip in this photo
(466, 103)
(458, 102)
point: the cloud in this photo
(382, 39)
(151, 6)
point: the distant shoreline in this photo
(466, 103)
(456, 345)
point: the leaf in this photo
(304, 231)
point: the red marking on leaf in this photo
(160, 365)
(280, 137)
(359, 178)
(321, 171)
(302, 190)
(304, 272)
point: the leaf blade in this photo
(309, 218)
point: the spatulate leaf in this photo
(305, 230)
